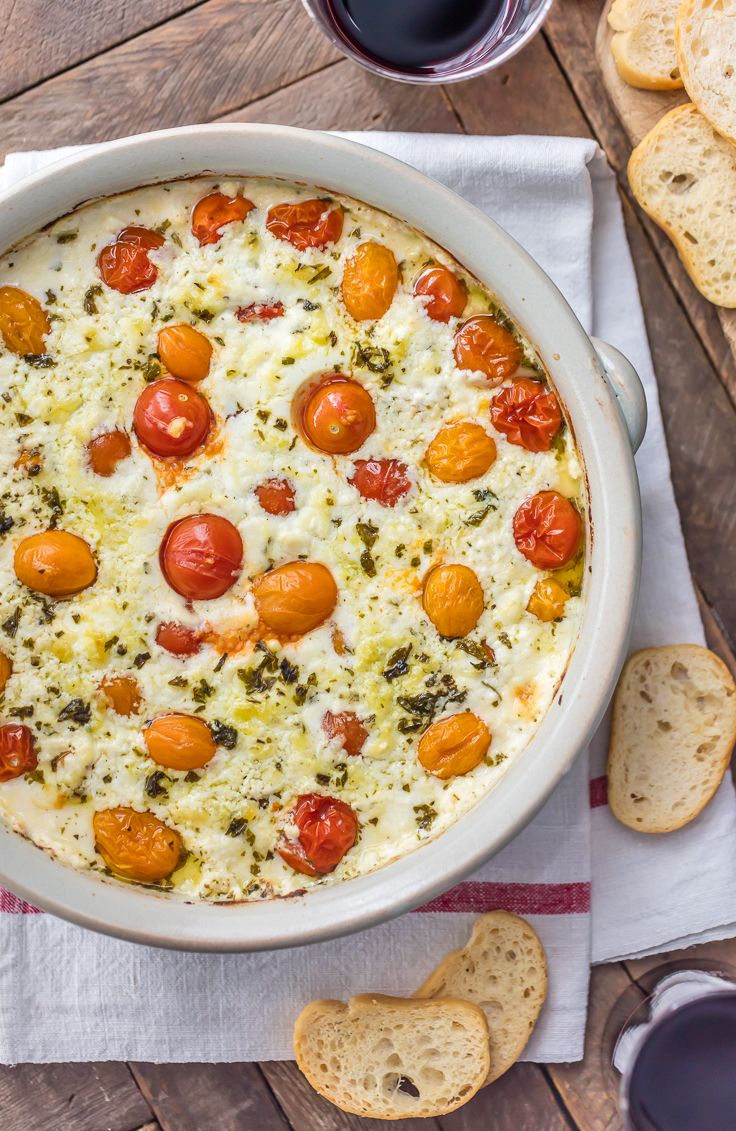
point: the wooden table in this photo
(86, 71)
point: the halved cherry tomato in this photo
(105, 451)
(214, 211)
(185, 352)
(178, 639)
(444, 295)
(528, 414)
(24, 323)
(6, 670)
(180, 742)
(260, 312)
(295, 598)
(276, 496)
(453, 600)
(383, 480)
(54, 562)
(369, 281)
(122, 693)
(454, 745)
(547, 530)
(482, 344)
(201, 556)
(346, 726)
(328, 828)
(305, 223)
(124, 264)
(17, 751)
(337, 416)
(460, 452)
(137, 846)
(171, 418)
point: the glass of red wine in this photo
(425, 41)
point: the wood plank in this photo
(521, 1100)
(191, 1097)
(716, 637)
(71, 1097)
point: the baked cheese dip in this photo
(292, 535)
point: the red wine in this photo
(684, 1076)
(414, 35)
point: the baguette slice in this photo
(684, 175)
(705, 39)
(644, 44)
(674, 727)
(393, 1058)
(503, 969)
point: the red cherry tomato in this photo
(260, 312)
(547, 530)
(305, 223)
(443, 294)
(276, 496)
(384, 480)
(17, 751)
(337, 416)
(328, 828)
(124, 264)
(214, 211)
(346, 726)
(171, 418)
(528, 414)
(178, 639)
(201, 556)
(482, 344)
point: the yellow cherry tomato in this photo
(55, 562)
(454, 745)
(180, 742)
(24, 323)
(460, 452)
(369, 281)
(185, 352)
(453, 600)
(137, 845)
(548, 599)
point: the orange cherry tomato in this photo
(444, 296)
(548, 600)
(185, 352)
(106, 451)
(6, 670)
(295, 598)
(122, 694)
(260, 312)
(17, 751)
(528, 415)
(369, 281)
(454, 745)
(483, 345)
(124, 264)
(453, 600)
(547, 530)
(171, 418)
(55, 562)
(305, 223)
(276, 496)
(180, 742)
(178, 639)
(214, 211)
(24, 323)
(460, 452)
(201, 556)
(137, 846)
(347, 727)
(328, 828)
(383, 480)
(337, 416)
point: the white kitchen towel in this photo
(68, 994)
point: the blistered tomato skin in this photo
(6, 670)
(337, 415)
(122, 694)
(137, 846)
(276, 496)
(348, 729)
(547, 530)
(106, 451)
(295, 598)
(386, 481)
(180, 742)
(55, 562)
(24, 323)
(17, 751)
(327, 830)
(528, 414)
(460, 452)
(214, 211)
(305, 223)
(441, 293)
(185, 352)
(201, 556)
(454, 745)
(124, 264)
(369, 281)
(483, 345)
(260, 312)
(171, 418)
(178, 639)
(453, 600)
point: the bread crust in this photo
(689, 10)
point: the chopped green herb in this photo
(397, 663)
(154, 786)
(425, 816)
(368, 533)
(39, 360)
(367, 563)
(224, 735)
(76, 711)
(66, 237)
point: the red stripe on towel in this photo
(523, 899)
(12, 905)
(598, 792)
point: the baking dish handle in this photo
(624, 380)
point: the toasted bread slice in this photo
(644, 44)
(684, 175)
(393, 1058)
(705, 39)
(503, 969)
(674, 727)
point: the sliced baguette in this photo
(503, 969)
(393, 1058)
(684, 175)
(705, 39)
(673, 731)
(644, 44)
